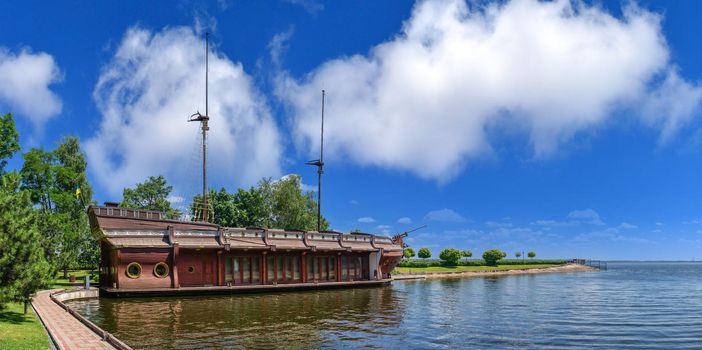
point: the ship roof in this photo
(127, 227)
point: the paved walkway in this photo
(68, 332)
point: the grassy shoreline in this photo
(443, 269)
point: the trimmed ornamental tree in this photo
(450, 256)
(408, 253)
(531, 254)
(424, 253)
(492, 256)
(518, 255)
(466, 254)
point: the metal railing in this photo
(596, 264)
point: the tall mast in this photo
(320, 171)
(205, 127)
(203, 119)
(319, 163)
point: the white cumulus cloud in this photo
(627, 226)
(25, 80)
(429, 99)
(404, 220)
(445, 215)
(366, 220)
(145, 94)
(311, 6)
(587, 216)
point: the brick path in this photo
(68, 332)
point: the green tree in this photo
(518, 255)
(9, 140)
(291, 208)
(73, 194)
(450, 256)
(251, 207)
(272, 204)
(23, 267)
(492, 256)
(241, 209)
(221, 202)
(408, 253)
(466, 253)
(531, 255)
(152, 194)
(38, 177)
(424, 253)
(57, 185)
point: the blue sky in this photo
(569, 129)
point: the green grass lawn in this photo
(467, 268)
(61, 282)
(20, 331)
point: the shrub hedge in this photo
(474, 262)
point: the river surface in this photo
(632, 305)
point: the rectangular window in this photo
(310, 268)
(255, 271)
(281, 268)
(344, 268)
(324, 263)
(317, 274)
(237, 270)
(288, 267)
(228, 274)
(364, 268)
(246, 269)
(332, 268)
(358, 268)
(271, 270)
(296, 268)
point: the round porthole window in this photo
(161, 270)
(134, 270)
(191, 269)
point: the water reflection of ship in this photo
(305, 319)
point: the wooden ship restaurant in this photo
(144, 253)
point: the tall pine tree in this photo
(23, 268)
(9, 140)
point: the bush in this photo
(450, 256)
(95, 276)
(418, 263)
(424, 253)
(408, 253)
(474, 262)
(492, 256)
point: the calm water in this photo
(633, 305)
